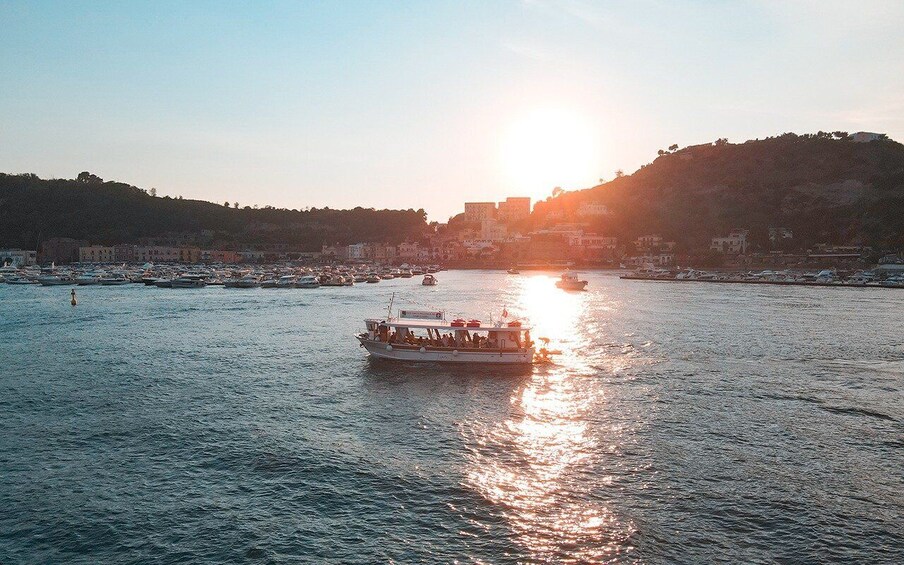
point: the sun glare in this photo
(550, 148)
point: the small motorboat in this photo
(513, 271)
(429, 280)
(570, 281)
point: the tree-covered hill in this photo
(824, 187)
(34, 209)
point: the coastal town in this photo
(485, 235)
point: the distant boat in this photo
(514, 271)
(286, 281)
(429, 280)
(114, 280)
(570, 281)
(90, 278)
(189, 280)
(307, 281)
(55, 280)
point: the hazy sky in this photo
(424, 104)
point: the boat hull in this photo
(572, 285)
(431, 355)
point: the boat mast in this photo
(389, 311)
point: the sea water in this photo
(680, 422)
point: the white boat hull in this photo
(432, 355)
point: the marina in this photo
(888, 276)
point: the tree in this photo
(88, 178)
(557, 191)
(226, 204)
(619, 173)
(673, 147)
(235, 205)
(154, 192)
(660, 152)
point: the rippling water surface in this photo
(680, 423)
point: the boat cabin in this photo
(430, 330)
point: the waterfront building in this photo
(96, 254)
(733, 244)
(357, 251)
(60, 250)
(217, 256)
(648, 242)
(166, 254)
(18, 257)
(335, 251)
(123, 253)
(662, 259)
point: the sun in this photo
(549, 148)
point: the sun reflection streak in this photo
(541, 465)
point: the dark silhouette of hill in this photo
(825, 187)
(34, 209)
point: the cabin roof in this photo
(443, 325)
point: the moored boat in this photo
(189, 280)
(307, 281)
(429, 280)
(55, 280)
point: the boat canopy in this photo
(454, 325)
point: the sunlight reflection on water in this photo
(531, 465)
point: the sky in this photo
(424, 104)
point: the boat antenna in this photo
(389, 314)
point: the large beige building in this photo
(479, 211)
(514, 208)
(96, 254)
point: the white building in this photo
(357, 251)
(18, 257)
(865, 136)
(648, 241)
(734, 244)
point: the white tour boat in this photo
(427, 336)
